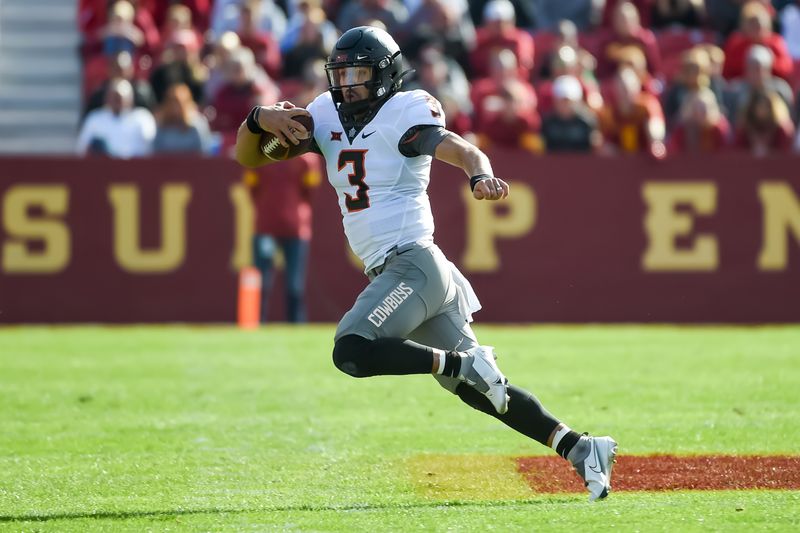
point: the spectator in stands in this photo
(122, 21)
(633, 57)
(525, 11)
(445, 21)
(720, 86)
(503, 70)
(225, 17)
(264, 47)
(572, 126)
(499, 32)
(306, 11)
(246, 86)
(120, 34)
(758, 77)
(313, 40)
(178, 18)
(509, 119)
(790, 28)
(764, 125)
(120, 66)
(565, 62)
(610, 8)
(444, 79)
(681, 13)
(567, 35)
(549, 14)
(723, 15)
(505, 106)
(632, 121)
(181, 128)
(700, 127)
(756, 28)
(392, 13)
(180, 63)
(118, 129)
(694, 75)
(221, 52)
(281, 195)
(199, 11)
(716, 58)
(627, 30)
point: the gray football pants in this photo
(413, 296)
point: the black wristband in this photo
(473, 181)
(252, 122)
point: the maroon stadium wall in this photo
(713, 239)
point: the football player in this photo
(414, 316)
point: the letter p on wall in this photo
(485, 225)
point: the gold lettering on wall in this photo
(48, 228)
(127, 244)
(485, 225)
(244, 226)
(663, 223)
(781, 219)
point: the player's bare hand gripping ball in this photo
(277, 119)
(491, 189)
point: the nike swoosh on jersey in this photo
(365, 135)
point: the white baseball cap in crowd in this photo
(760, 55)
(498, 10)
(568, 87)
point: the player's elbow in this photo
(350, 354)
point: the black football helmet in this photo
(365, 46)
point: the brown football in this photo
(272, 147)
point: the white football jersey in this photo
(382, 193)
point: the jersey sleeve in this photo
(422, 110)
(314, 109)
(421, 140)
(422, 124)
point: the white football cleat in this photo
(596, 468)
(486, 378)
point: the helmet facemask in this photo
(346, 75)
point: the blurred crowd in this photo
(609, 77)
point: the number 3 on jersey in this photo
(356, 177)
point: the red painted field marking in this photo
(669, 472)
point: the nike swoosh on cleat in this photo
(594, 468)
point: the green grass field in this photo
(213, 429)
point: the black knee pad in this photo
(349, 354)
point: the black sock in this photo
(525, 413)
(452, 364)
(568, 442)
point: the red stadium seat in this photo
(593, 40)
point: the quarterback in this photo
(414, 316)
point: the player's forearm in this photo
(460, 153)
(248, 149)
(476, 162)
